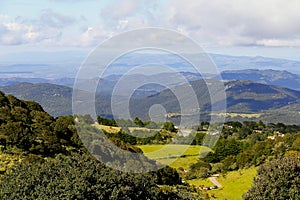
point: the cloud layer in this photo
(213, 23)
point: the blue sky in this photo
(237, 27)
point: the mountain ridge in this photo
(242, 97)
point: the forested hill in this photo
(55, 99)
(26, 126)
(42, 157)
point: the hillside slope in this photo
(242, 97)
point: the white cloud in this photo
(14, 33)
(48, 27)
(211, 23)
(89, 37)
(236, 22)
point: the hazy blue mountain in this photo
(225, 62)
(242, 97)
(14, 80)
(55, 99)
(67, 63)
(268, 76)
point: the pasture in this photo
(174, 155)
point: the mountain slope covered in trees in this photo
(53, 163)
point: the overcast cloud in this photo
(212, 23)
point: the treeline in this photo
(142, 137)
(154, 132)
(169, 126)
(242, 145)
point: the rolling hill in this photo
(242, 97)
(273, 102)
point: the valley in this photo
(245, 100)
(149, 100)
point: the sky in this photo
(237, 27)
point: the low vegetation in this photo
(278, 179)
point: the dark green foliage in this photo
(24, 125)
(167, 176)
(198, 139)
(224, 148)
(76, 177)
(141, 137)
(107, 122)
(278, 179)
(138, 122)
(68, 175)
(203, 126)
(169, 126)
(200, 164)
(200, 169)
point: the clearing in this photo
(235, 184)
(174, 155)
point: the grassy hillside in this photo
(172, 154)
(235, 184)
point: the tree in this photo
(169, 126)
(76, 177)
(278, 179)
(224, 148)
(138, 122)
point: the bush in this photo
(278, 179)
(75, 177)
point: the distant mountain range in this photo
(14, 80)
(272, 102)
(241, 97)
(225, 62)
(67, 63)
(268, 76)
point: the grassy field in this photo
(235, 184)
(112, 129)
(109, 129)
(172, 154)
(243, 115)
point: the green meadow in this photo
(174, 155)
(234, 183)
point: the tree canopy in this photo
(278, 179)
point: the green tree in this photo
(169, 126)
(138, 122)
(76, 177)
(278, 179)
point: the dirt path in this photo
(215, 182)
